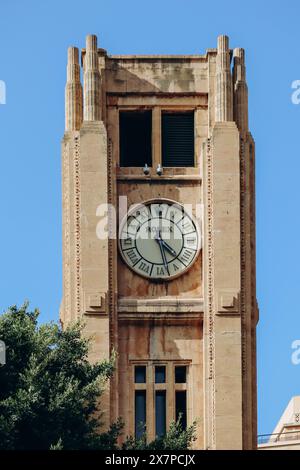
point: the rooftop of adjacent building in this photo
(286, 434)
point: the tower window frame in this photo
(164, 394)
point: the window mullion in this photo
(156, 136)
(150, 403)
(170, 394)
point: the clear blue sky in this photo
(34, 37)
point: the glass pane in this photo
(160, 413)
(180, 403)
(135, 138)
(140, 413)
(180, 374)
(140, 374)
(160, 374)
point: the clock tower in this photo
(159, 237)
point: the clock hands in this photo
(163, 255)
(167, 247)
(163, 244)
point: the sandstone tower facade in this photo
(156, 130)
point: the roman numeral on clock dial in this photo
(132, 256)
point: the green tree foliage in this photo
(49, 392)
(175, 439)
(50, 395)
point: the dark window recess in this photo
(140, 413)
(180, 403)
(180, 374)
(140, 374)
(135, 138)
(160, 413)
(178, 139)
(160, 374)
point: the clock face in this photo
(159, 240)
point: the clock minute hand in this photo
(165, 244)
(164, 256)
(159, 241)
(168, 247)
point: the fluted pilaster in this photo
(224, 99)
(92, 81)
(240, 98)
(73, 92)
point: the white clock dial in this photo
(159, 240)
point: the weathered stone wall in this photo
(207, 317)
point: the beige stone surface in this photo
(205, 319)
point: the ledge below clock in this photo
(173, 306)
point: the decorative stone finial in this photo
(223, 43)
(240, 90)
(224, 101)
(92, 81)
(73, 92)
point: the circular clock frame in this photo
(149, 202)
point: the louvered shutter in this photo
(178, 139)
